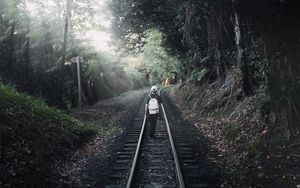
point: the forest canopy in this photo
(257, 41)
(39, 39)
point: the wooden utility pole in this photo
(77, 61)
(79, 81)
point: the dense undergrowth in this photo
(249, 150)
(34, 137)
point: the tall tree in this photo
(66, 25)
(242, 62)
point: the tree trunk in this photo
(242, 63)
(27, 48)
(237, 32)
(67, 16)
(10, 62)
(61, 71)
(27, 72)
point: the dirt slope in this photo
(252, 153)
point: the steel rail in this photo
(177, 165)
(129, 182)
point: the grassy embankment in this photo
(35, 138)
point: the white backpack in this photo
(153, 106)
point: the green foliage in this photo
(199, 75)
(133, 73)
(257, 62)
(15, 104)
(31, 50)
(155, 59)
(102, 63)
(33, 135)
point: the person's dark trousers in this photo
(152, 121)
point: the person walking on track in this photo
(152, 107)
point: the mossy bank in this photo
(35, 138)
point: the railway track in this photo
(166, 161)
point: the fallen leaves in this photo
(244, 152)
